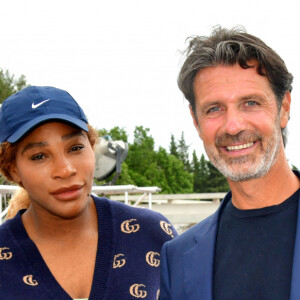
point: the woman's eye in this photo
(76, 148)
(38, 157)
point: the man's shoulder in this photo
(194, 232)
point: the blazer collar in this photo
(295, 286)
(198, 260)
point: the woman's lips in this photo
(67, 193)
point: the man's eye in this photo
(251, 103)
(213, 109)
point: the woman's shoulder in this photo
(8, 227)
(133, 219)
(123, 209)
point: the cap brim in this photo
(33, 123)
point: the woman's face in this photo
(55, 164)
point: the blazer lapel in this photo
(198, 261)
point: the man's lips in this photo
(240, 141)
(239, 147)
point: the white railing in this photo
(6, 191)
(182, 210)
(178, 208)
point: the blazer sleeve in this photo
(164, 275)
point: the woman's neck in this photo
(40, 224)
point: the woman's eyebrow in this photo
(64, 138)
(33, 145)
(72, 135)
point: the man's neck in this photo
(271, 189)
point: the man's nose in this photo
(63, 168)
(234, 121)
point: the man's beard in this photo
(250, 166)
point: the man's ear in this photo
(195, 121)
(285, 109)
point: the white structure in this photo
(183, 210)
(6, 191)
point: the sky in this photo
(120, 59)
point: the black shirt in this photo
(254, 252)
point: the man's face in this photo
(238, 120)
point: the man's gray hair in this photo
(229, 47)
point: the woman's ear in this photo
(15, 174)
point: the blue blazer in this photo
(187, 261)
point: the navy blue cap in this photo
(33, 105)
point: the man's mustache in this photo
(242, 137)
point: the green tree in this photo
(175, 178)
(198, 176)
(173, 146)
(116, 133)
(180, 180)
(207, 179)
(144, 166)
(183, 153)
(141, 156)
(9, 85)
(148, 167)
(216, 182)
(124, 177)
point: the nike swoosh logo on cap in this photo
(34, 106)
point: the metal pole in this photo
(150, 200)
(0, 207)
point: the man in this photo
(239, 94)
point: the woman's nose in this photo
(63, 168)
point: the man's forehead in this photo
(229, 79)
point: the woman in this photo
(68, 244)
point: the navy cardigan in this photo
(127, 263)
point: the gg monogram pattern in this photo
(138, 291)
(166, 227)
(129, 226)
(127, 263)
(134, 230)
(119, 261)
(153, 258)
(28, 279)
(4, 254)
